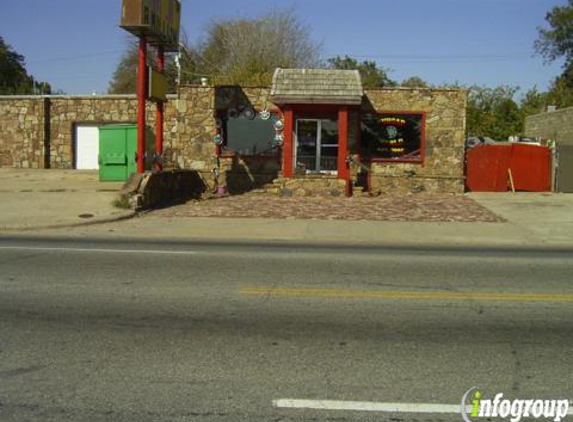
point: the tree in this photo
(372, 76)
(124, 79)
(493, 112)
(247, 51)
(554, 43)
(534, 102)
(235, 51)
(14, 78)
(561, 93)
(415, 82)
(557, 41)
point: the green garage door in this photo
(117, 151)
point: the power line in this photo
(72, 58)
(449, 58)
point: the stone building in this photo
(314, 132)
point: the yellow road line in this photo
(393, 294)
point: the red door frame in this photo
(312, 110)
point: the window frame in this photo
(401, 160)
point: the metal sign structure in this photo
(157, 23)
(158, 20)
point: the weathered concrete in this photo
(556, 125)
(35, 198)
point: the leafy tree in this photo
(534, 102)
(493, 112)
(415, 82)
(14, 78)
(124, 79)
(372, 76)
(560, 93)
(557, 41)
(554, 43)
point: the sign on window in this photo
(389, 136)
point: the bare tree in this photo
(249, 50)
(235, 51)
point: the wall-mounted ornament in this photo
(249, 113)
(232, 113)
(279, 139)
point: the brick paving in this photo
(415, 208)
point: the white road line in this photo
(97, 250)
(365, 406)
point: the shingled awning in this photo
(317, 86)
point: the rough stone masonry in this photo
(39, 132)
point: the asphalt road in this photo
(92, 330)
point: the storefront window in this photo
(316, 146)
(248, 136)
(392, 136)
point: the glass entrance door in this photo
(316, 146)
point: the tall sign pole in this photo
(141, 104)
(159, 114)
(157, 23)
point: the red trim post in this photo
(288, 144)
(141, 96)
(343, 167)
(159, 114)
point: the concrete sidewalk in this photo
(35, 199)
(533, 220)
(43, 202)
(539, 217)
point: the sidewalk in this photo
(35, 199)
(523, 227)
(43, 202)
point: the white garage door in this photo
(87, 147)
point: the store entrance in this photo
(316, 146)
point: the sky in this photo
(75, 45)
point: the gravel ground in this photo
(414, 207)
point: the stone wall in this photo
(443, 167)
(196, 127)
(39, 132)
(556, 125)
(66, 113)
(22, 132)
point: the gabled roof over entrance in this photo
(317, 86)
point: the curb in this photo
(124, 216)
